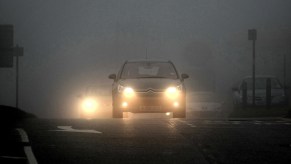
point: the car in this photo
(278, 96)
(148, 86)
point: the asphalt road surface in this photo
(157, 140)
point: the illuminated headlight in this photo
(128, 92)
(89, 105)
(173, 92)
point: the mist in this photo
(72, 45)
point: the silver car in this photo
(148, 87)
(278, 96)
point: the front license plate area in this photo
(150, 108)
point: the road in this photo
(159, 140)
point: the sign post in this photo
(6, 46)
(253, 36)
(18, 51)
(7, 52)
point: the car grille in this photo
(150, 93)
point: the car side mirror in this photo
(112, 76)
(184, 76)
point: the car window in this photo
(148, 70)
(261, 83)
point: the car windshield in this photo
(149, 70)
(261, 83)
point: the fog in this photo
(70, 45)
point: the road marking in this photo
(23, 135)
(185, 122)
(11, 157)
(181, 121)
(268, 123)
(236, 122)
(191, 125)
(29, 154)
(257, 122)
(70, 129)
(27, 149)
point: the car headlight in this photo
(89, 105)
(173, 92)
(126, 91)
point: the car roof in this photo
(147, 60)
(260, 76)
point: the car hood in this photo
(145, 84)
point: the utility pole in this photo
(146, 53)
(284, 74)
(17, 51)
(16, 81)
(253, 36)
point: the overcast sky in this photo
(72, 44)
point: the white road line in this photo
(236, 122)
(27, 149)
(70, 129)
(191, 125)
(181, 121)
(185, 122)
(257, 122)
(11, 157)
(29, 154)
(268, 123)
(23, 135)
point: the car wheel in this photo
(116, 113)
(181, 113)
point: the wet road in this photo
(159, 140)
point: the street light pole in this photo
(254, 72)
(284, 73)
(253, 36)
(17, 51)
(17, 81)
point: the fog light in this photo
(176, 104)
(89, 105)
(124, 104)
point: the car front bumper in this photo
(149, 103)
